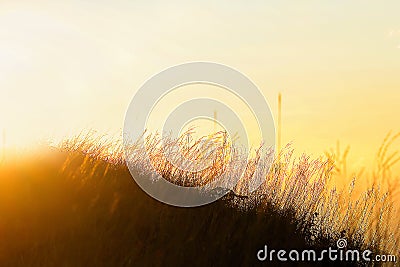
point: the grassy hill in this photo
(74, 207)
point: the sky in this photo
(68, 66)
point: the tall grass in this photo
(77, 205)
(300, 186)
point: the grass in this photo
(77, 205)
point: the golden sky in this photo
(66, 66)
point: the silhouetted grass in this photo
(79, 206)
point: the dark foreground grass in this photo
(71, 209)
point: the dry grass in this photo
(80, 206)
(369, 219)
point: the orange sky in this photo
(75, 65)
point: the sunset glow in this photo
(72, 66)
